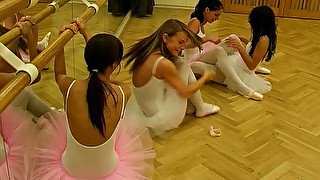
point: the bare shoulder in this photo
(264, 40)
(194, 25)
(165, 67)
(194, 21)
(126, 90)
(64, 83)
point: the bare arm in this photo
(83, 29)
(31, 39)
(60, 71)
(258, 54)
(195, 26)
(169, 74)
(30, 34)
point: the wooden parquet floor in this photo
(277, 138)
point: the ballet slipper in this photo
(254, 96)
(263, 70)
(268, 83)
(206, 110)
(214, 132)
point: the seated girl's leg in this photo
(211, 57)
(202, 109)
(226, 66)
(231, 51)
(224, 45)
(209, 60)
(199, 67)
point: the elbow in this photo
(251, 68)
(57, 77)
(185, 94)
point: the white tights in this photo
(188, 77)
(219, 59)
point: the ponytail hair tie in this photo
(94, 70)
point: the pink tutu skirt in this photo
(17, 130)
(194, 54)
(134, 151)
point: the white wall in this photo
(184, 3)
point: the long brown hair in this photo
(139, 52)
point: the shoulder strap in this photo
(68, 92)
(123, 102)
(155, 65)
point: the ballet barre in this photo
(9, 7)
(22, 79)
(15, 32)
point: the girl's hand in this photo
(209, 74)
(234, 44)
(81, 26)
(73, 27)
(82, 29)
(214, 39)
(25, 29)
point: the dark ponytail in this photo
(101, 52)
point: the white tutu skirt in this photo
(247, 76)
(172, 110)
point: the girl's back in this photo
(88, 153)
(78, 115)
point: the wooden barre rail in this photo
(15, 32)
(8, 7)
(22, 79)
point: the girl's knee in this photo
(221, 51)
(233, 36)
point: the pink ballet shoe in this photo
(206, 110)
(263, 70)
(254, 96)
(214, 132)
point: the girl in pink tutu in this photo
(20, 120)
(92, 139)
(20, 123)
